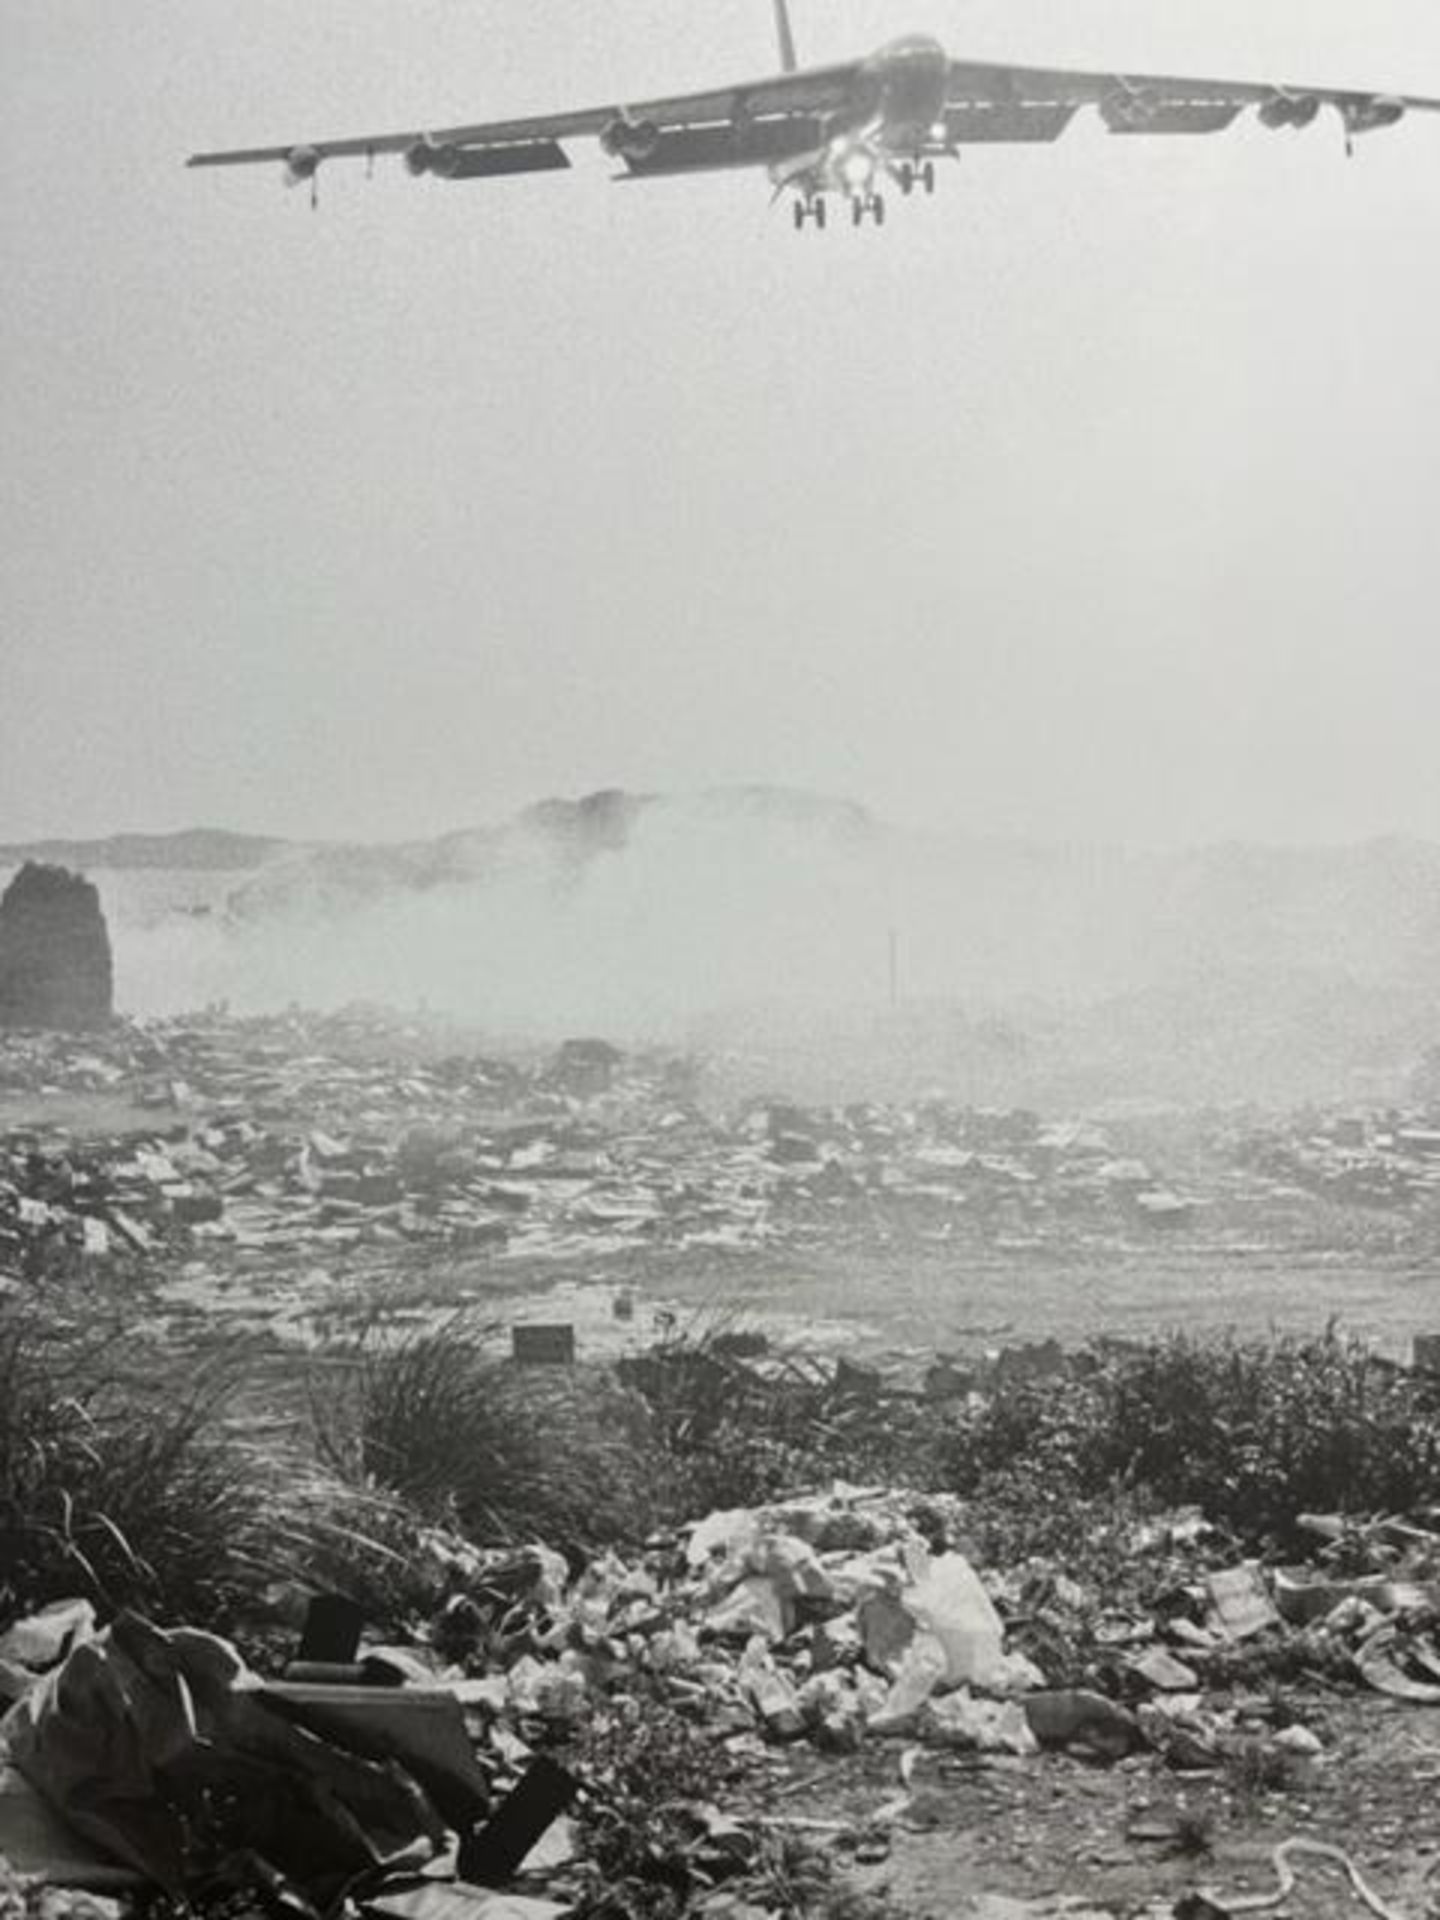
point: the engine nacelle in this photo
(626, 139)
(1289, 110)
(301, 163)
(426, 157)
(1367, 116)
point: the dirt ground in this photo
(1058, 1829)
(86, 1115)
(909, 1294)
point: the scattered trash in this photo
(492, 1854)
(1281, 1858)
(441, 1901)
(1382, 1659)
(144, 1739)
(825, 1622)
(957, 1720)
(949, 1604)
(45, 1638)
(1075, 1717)
(1162, 1672)
(40, 1845)
(1240, 1603)
(276, 1136)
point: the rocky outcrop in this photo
(55, 964)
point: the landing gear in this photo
(812, 209)
(872, 204)
(914, 174)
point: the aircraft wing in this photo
(1005, 103)
(631, 130)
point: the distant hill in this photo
(198, 848)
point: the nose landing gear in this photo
(871, 204)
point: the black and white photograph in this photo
(719, 960)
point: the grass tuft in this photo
(505, 1454)
(132, 1489)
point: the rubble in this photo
(282, 1133)
(273, 1146)
(262, 1158)
(830, 1621)
(1381, 1159)
(141, 1740)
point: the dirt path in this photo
(1056, 1829)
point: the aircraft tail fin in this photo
(788, 62)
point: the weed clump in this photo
(130, 1489)
(652, 1779)
(654, 1838)
(740, 1425)
(1254, 1770)
(504, 1453)
(1253, 1432)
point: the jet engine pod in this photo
(1289, 110)
(627, 139)
(301, 163)
(424, 156)
(1367, 116)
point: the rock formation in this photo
(55, 964)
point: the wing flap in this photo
(981, 120)
(492, 163)
(708, 149)
(1124, 113)
(498, 133)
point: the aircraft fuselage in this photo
(896, 104)
(900, 93)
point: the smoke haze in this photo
(765, 918)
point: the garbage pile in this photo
(362, 1128)
(859, 1614)
(315, 1131)
(1385, 1160)
(280, 1134)
(826, 1622)
(167, 1757)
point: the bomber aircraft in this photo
(844, 131)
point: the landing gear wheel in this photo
(927, 176)
(877, 209)
(798, 216)
(906, 177)
(857, 212)
(821, 215)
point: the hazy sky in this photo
(1095, 498)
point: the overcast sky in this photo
(1095, 498)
